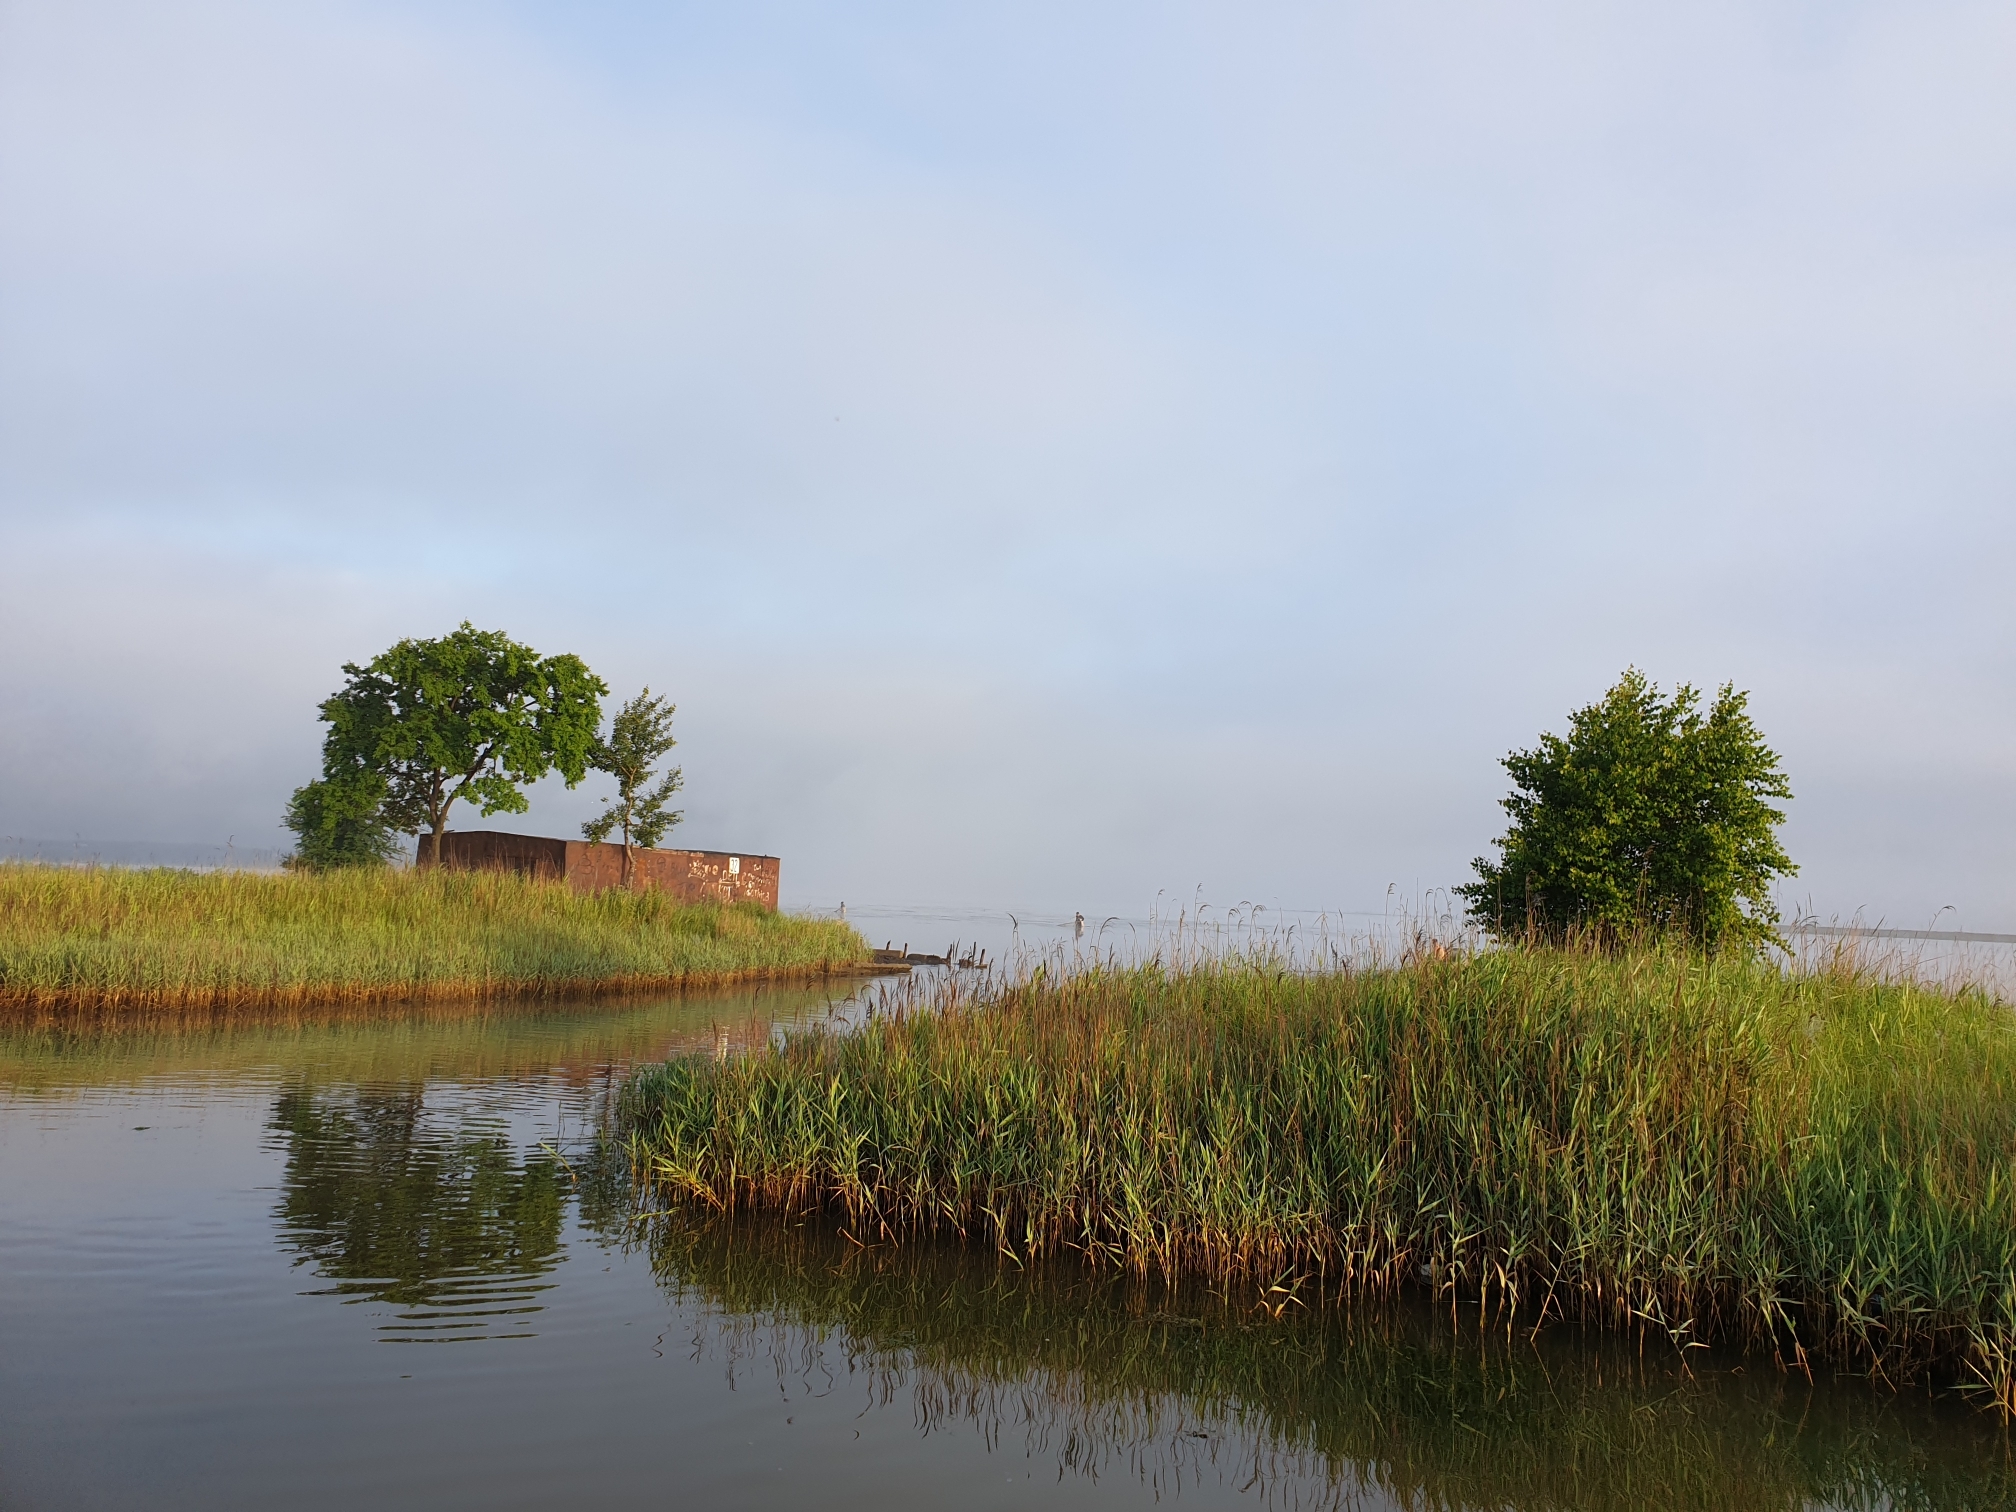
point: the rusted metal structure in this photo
(690, 875)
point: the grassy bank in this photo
(164, 939)
(1714, 1150)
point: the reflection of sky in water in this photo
(210, 1233)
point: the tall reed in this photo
(1708, 1147)
(182, 940)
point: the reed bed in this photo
(176, 940)
(1711, 1148)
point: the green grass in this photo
(170, 940)
(1714, 1149)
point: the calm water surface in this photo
(387, 1261)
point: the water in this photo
(1178, 929)
(385, 1260)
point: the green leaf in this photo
(1648, 815)
(470, 717)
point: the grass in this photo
(166, 940)
(1115, 1376)
(1821, 1164)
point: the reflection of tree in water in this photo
(1327, 1405)
(446, 1223)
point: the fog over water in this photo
(1049, 454)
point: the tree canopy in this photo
(470, 717)
(336, 825)
(1650, 814)
(639, 736)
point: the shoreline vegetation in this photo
(1707, 1150)
(94, 938)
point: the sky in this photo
(1051, 454)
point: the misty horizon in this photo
(1047, 455)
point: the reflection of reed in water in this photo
(445, 1223)
(1325, 1405)
(575, 1041)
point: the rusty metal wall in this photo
(692, 876)
(493, 850)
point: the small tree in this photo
(472, 716)
(1650, 814)
(639, 735)
(337, 825)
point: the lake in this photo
(390, 1260)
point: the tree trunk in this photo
(431, 856)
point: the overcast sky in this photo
(1050, 453)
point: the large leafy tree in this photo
(639, 737)
(470, 717)
(1650, 814)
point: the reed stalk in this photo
(1708, 1147)
(73, 937)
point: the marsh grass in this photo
(178, 941)
(1712, 1149)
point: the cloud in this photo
(1044, 452)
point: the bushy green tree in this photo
(1650, 814)
(470, 717)
(337, 825)
(639, 735)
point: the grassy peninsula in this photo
(161, 939)
(1706, 1148)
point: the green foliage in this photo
(1705, 1145)
(472, 716)
(639, 736)
(1649, 815)
(338, 824)
(176, 939)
